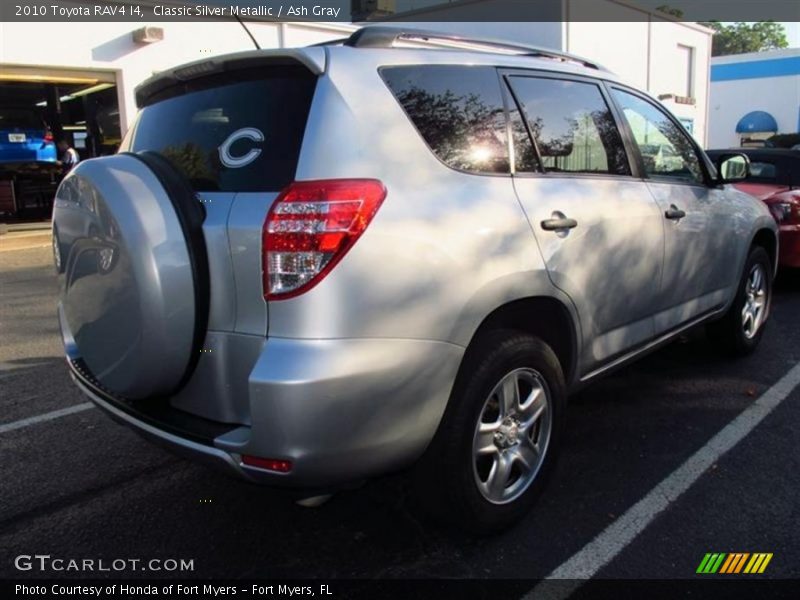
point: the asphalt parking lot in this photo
(79, 485)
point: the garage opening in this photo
(38, 108)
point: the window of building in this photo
(685, 71)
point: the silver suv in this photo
(314, 266)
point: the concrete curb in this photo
(25, 227)
(24, 240)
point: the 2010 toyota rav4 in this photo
(314, 266)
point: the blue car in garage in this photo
(24, 137)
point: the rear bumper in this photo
(157, 433)
(339, 410)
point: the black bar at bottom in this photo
(703, 587)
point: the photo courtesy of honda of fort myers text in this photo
(400, 298)
(203, 590)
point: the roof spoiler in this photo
(313, 61)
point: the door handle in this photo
(674, 213)
(559, 223)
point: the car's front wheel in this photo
(498, 439)
(740, 330)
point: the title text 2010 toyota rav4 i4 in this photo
(314, 266)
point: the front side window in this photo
(459, 112)
(571, 125)
(665, 149)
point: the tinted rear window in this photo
(459, 112)
(12, 118)
(191, 126)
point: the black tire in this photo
(445, 481)
(729, 333)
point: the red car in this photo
(775, 179)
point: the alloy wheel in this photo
(755, 304)
(511, 436)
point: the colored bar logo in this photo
(734, 563)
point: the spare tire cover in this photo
(128, 306)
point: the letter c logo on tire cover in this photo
(236, 162)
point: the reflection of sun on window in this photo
(481, 154)
(210, 115)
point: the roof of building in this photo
(756, 56)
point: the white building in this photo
(79, 61)
(754, 96)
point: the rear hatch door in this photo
(233, 132)
(133, 271)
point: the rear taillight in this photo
(310, 227)
(270, 464)
(782, 211)
(48, 137)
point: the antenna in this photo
(255, 43)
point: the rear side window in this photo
(459, 112)
(240, 132)
(763, 170)
(572, 127)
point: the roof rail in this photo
(375, 36)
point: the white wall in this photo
(731, 100)
(621, 47)
(664, 53)
(645, 54)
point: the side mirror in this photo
(732, 167)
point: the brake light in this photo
(270, 464)
(310, 227)
(782, 211)
(48, 137)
